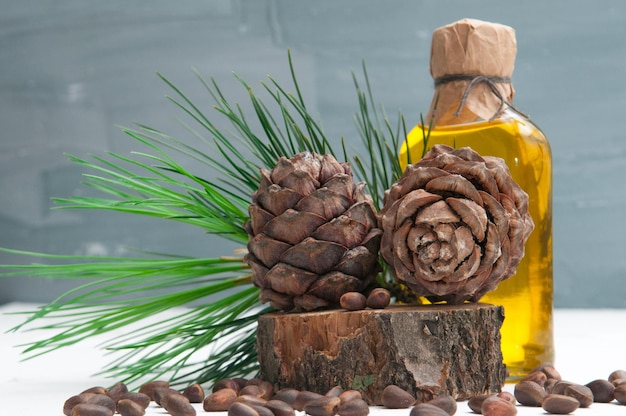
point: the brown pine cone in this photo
(454, 225)
(313, 233)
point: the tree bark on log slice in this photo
(427, 350)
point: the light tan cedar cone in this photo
(454, 225)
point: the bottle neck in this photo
(464, 99)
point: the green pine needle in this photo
(381, 167)
(214, 335)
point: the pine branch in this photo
(380, 168)
(216, 339)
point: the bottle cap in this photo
(460, 53)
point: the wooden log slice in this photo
(427, 350)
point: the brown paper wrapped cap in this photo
(471, 47)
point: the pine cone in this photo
(454, 225)
(313, 233)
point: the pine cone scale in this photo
(497, 214)
(279, 300)
(314, 255)
(437, 212)
(289, 280)
(342, 230)
(340, 184)
(455, 184)
(372, 241)
(293, 226)
(357, 262)
(413, 201)
(475, 174)
(302, 181)
(472, 214)
(491, 250)
(325, 203)
(259, 271)
(260, 218)
(467, 267)
(268, 250)
(405, 247)
(277, 200)
(326, 286)
(417, 177)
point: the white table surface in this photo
(590, 344)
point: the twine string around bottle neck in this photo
(490, 81)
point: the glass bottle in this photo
(472, 62)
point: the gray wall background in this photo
(71, 70)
